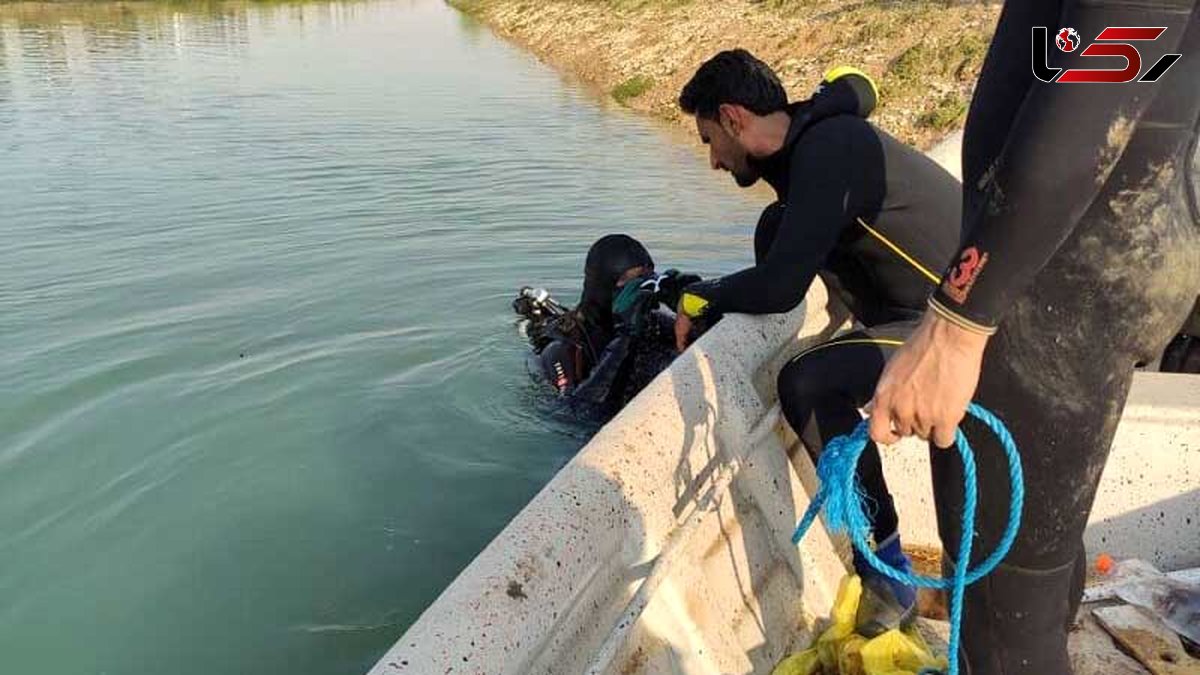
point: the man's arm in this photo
(1060, 151)
(598, 385)
(558, 364)
(829, 185)
(765, 231)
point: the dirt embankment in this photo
(925, 55)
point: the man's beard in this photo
(746, 177)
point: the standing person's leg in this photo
(1182, 355)
(821, 391)
(1058, 372)
(1063, 419)
(1059, 369)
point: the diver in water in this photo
(600, 354)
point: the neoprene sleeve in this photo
(1057, 154)
(827, 189)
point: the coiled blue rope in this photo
(842, 498)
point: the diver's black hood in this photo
(609, 258)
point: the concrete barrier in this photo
(688, 497)
(663, 546)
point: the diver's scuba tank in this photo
(536, 303)
(536, 310)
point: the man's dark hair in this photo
(736, 77)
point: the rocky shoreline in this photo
(924, 55)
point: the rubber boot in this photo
(1015, 621)
(1078, 585)
(886, 603)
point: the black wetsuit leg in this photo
(1060, 367)
(821, 390)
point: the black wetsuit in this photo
(877, 220)
(1084, 250)
(1182, 354)
(597, 371)
(618, 338)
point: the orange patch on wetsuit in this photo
(957, 285)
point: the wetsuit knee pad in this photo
(842, 371)
(796, 383)
(806, 384)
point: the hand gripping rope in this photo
(842, 498)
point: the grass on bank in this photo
(955, 62)
(925, 54)
(632, 88)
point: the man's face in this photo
(725, 152)
(633, 273)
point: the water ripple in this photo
(262, 385)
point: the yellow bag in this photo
(841, 651)
(850, 660)
(845, 608)
(806, 662)
(899, 652)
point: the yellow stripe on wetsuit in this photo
(887, 342)
(900, 252)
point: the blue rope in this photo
(842, 498)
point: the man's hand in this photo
(927, 385)
(633, 302)
(671, 283)
(683, 329)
